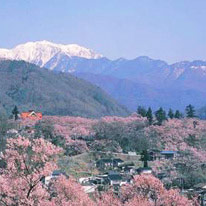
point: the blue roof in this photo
(168, 152)
(58, 172)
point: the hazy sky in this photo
(171, 30)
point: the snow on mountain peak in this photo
(40, 52)
(203, 67)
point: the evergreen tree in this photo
(178, 115)
(145, 158)
(149, 116)
(15, 112)
(160, 115)
(190, 111)
(171, 114)
(142, 111)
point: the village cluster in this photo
(114, 172)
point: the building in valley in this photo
(31, 115)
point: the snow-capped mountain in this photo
(40, 52)
(140, 81)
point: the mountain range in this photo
(140, 81)
(30, 87)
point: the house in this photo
(154, 154)
(91, 184)
(144, 170)
(168, 154)
(108, 163)
(83, 179)
(117, 179)
(31, 115)
(104, 163)
(200, 186)
(200, 189)
(55, 174)
(132, 153)
(103, 179)
(94, 180)
(117, 162)
(114, 178)
(12, 131)
(128, 169)
(157, 154)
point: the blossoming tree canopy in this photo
(150, 191)
(27, 163)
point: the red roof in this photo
(31, 115)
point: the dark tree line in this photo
(161, 115)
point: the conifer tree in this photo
(145, 158)
(190, 111)
(160, 115)
(142, 111)
(15, 112)
(171, 114)
(149, 116)
(178, 114)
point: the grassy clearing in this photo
(78, 166)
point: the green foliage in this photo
(130, 136)
(106, 146)
(190, 169)
(15, 112)
(45, 130)
(192, 141)
(29, 87)
(145, 158)
(149, 116)
(178, 115)
(142, 111)
(171, 114)
(79, 165)
(190, 111)
(160, 116)
(5, 125)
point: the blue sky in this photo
(171, 30)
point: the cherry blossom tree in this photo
(150, 191)
(146, 190)
(173, 198)
(75, 147)
(28, 162)
(67, 192)
(72, 126)
(138, 201)
(108, 198)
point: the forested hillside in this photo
(29, 87)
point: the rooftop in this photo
(168, 152)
